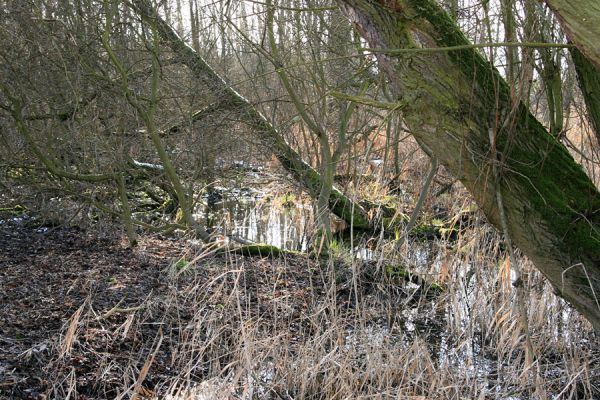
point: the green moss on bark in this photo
(549, 178)
(456, 102)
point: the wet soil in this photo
(45, 277)
(79, 312)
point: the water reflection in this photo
(289, 226)
(260, 221)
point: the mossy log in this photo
(459, 107)
(394, 272)
(14, 211)
(260, 250)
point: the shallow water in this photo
(290, 226)
(259, 221)
(249, 216)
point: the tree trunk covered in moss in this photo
(458, 106)
(588, 76)
(580, 19)
(340, 204)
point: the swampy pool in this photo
(461, 340)
(287, 223)
(466, 337)
(251, 216)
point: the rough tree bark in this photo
(580, 19)
(340, 204)
(459, 107)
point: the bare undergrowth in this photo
(234, 327)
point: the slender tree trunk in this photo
(510, 36)
(550, 72)
(179, 18)
(194, 22)
(455, 102)
(126, 211)
(528, 53)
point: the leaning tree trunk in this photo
(580, 19)
(458, 106)
(228, 98)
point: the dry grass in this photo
(289, 328)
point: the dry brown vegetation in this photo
(85, 318)
(86, 315)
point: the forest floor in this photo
(82, 316)
(45, 277)
(85, 317)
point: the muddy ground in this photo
(45, 277)
(81, 314)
